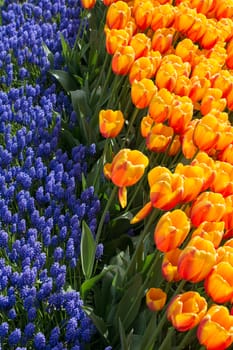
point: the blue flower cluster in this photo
(42, 201)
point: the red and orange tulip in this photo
(197, 259)
(126, 169)
(186, 310)
(155, 299)
(169, 265)
(123, 60)
(208, 206)
(141, 44)
(141, 68)
(181, 113)
(116, 38)
(212, 231)
(215, 330)
(88, 4)
(142, 92)
(171, 230)
(160, 105)
(159, 137)
(110, 122)
(118, 15)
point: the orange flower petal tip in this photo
(122, 196)
(142, 213)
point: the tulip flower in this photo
(166, 77)
(223, 182)
(198, 88)
(208, 165)
(142, 92)
(223, 9)
(141, 44)
(184, 18)
(141, 68)
(198, 29)
(228, 217)
(212, 231)
(181, 113)
(116, 38)
(155, 299)
(146, 125)
(155, 58)
(160, 105)
(188, 147)
(118, 15)
(205, 135)
(126, 169)
(163, 16)
(215, 330)
(193, 180)
(208, 206)
(225, 253)
(88, 4)
(159, 137)
(183, 86)
(186, 50)
(186, 310)
(202, 6)
(110, 122)
(169, 265)
(143, 14)
(122, 60)
(171, 230)
(197, 259)
(227, 154)
(222, 80)
(162, 40)
(212, 100)
(219, 283)
(175, 147)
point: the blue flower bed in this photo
(42, 200)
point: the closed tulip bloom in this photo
(224, 9)
(162, 40)
(155, 58)
(166, 189)
(155, 299)
(208, 206)
(183, 86)
(212, 231)
(116, 38)
(218, 52)
(225, 25)
(88, 4)
(193, 177)
(159, 137)
(171, 230)
(198, 88)
(122, 60)
(180, 114)
(206, 67)
(225, 253)
(227, 154)
(126, 169)
(225, 137)
(169, 265)
(188, 147)
(223, 182)
(186, 310)
(143, 14)
(184, 18)
(110, 122)
(141, 68)
(118, 15)
(212, 100)
(141, 44)
(208, 165)
(186, 50)
(215, 330)
(205, 135)
(160, 105)
(142, 92)
(175, 147)
(198, 29)
(202, 6)
(163, 16)
(197, 259)
(166, 77)
(146, 125)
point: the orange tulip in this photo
(143, 14)
(202, 6)
(198, 88)
(159, 137)
(118, 15)
(198, 29)
(212, 100)
(184, 18)
(193, 180)
(224, 9)
(162, 39)
(206, 135)
(88, 4)
(228, 217)
(166, 189)
(227, 154)
(126, 169)
(160, 105)
(186, 50)
(116, 38)
(110, 122)
(141, 68)
(206, 67)
(155, 299)
(183, 86)
(169, 265)
(175, 147)
(155, 58)
(188, 147)
(186, 310)
(171, 230)
(219, 283)
(146, 125)
(225, 253)
(225, 26)
(211, 36)
(141, 44)
(122, 60)
(208, 165)
(208, 206)
(181, 113)
(212, 231)
(142, 92)
(223, 182)
(166, 76)
(197, 259)
(215, 330)
(163, 16)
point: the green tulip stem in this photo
(167, 340)
(131, 122)
(186, 339)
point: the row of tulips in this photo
(178, 57)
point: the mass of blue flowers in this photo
(42, 201)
